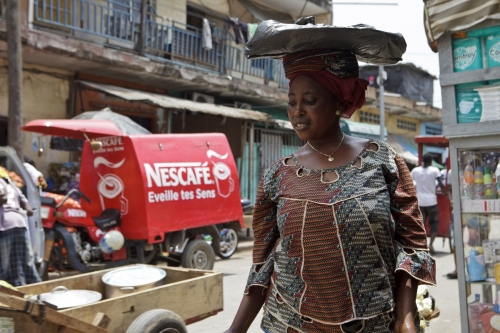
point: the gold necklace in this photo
(330, 157)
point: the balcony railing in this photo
(182, 42)
(109, 19)
(119, 21)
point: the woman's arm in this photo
(414, 265)
(249, 308)
(406, 293)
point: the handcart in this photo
(187, 296)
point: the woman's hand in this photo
(406, 293)
(249, 308)
(407, 326)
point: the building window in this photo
(368, 117)
(406, 125)
(433, 130)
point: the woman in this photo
(339, 240)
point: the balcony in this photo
(117, 24)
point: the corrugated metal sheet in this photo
(441, 16)
(180, 104)
(400, 145)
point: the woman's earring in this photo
(337, 112)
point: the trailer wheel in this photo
(228, 243)
(157, 321)
(198, 254)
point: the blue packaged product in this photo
(484, 32)
(493, 50)
(469, 106)
(471, 85)
(467, 54)
(478, 104)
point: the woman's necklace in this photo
(330, 157)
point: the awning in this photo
(441, 16)
(73, 128)
(361, 130)
(403, 146)
(348, 127)
(180, 104)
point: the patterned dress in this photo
(328, 251)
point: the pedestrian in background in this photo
(339, 240)
(17, 265)
(35, 174)
(425, 177)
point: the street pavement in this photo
(235, 272)
(236, 268)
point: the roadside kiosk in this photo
(468, 40)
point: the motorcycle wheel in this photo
(228, 243)
(198, 254)
(151, 257)
(158, 321)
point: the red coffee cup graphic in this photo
(223, 180)
(110, 189)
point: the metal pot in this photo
(132, 279)
(64, 298)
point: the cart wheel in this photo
(157, 321)
(198, 254)
(228, 243)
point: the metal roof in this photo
(169, 102)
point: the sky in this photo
(406, 17)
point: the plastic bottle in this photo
(494, 185)
(468, 192)
(479, 182)
(497, 176)
(489, 187)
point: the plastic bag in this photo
(275, 39)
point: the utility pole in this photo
(381, 72)
(15, 72)
(381, 77)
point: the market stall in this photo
(469, 53)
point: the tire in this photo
(157, 321)
(228, 243)
(151, 257)
(198, 254)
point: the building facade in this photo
(173, 66)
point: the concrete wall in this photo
(44, 96)
(171, 9)
(391, 122)
(392, 128)
(220, 6)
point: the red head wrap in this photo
(337, 71)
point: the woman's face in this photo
(311, 109)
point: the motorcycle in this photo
(74, 240)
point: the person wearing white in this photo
(425, 177)
(33, 172)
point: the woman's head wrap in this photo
(337, 71)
